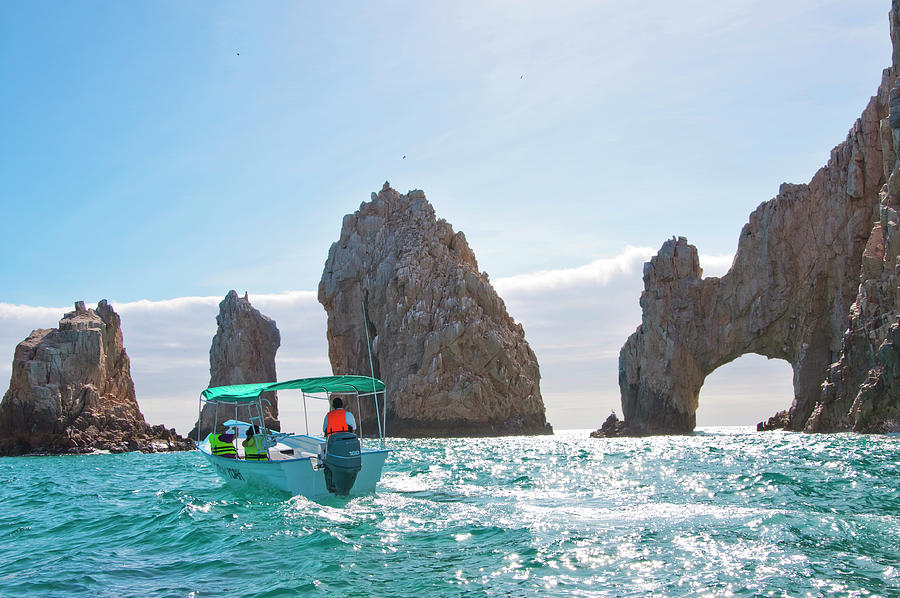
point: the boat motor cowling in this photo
(342, 462)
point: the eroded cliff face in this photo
(71, 392)
(862, 390)
(454, 362)
(242, 352)
(792, 291)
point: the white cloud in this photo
(178, 304)
(576, 320)
(599, 272)
(28, 313)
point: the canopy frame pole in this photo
(372, 370)
(199, 413)
(305, 415)
(359, 410)
(260, 413)
(258, 405)
(263, 437)
(215, 426)
(383, 413)
(263, 429)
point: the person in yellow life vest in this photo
(338, 419)
(254, 446)
(221, 444)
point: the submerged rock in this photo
(454, 362)
(242, 352)
(792, 293)
(71, 392)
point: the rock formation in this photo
(242, 352)
(862, 390)
(612, 427)
(779, 421)
(71, 392)
(792, 291)
(453, 361)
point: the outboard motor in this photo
(342, 462)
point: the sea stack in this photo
(814, 282)
(71, 392)
(242, 352)
(452, 359)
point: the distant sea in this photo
(727, 511)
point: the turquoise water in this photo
(724, 512)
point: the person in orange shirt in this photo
(338, 419)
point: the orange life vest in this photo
(337, 422)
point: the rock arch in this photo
(787, 295)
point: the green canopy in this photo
(246, 393)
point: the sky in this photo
(159, 154)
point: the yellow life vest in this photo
(254, 451)
(221, 448)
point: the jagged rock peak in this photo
(242, 352)
(71, 391)
(453, 360)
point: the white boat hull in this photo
(294, 475)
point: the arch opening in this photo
(745, 391)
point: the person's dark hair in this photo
(337, 403)
(251, 431)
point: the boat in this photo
(299, 464)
